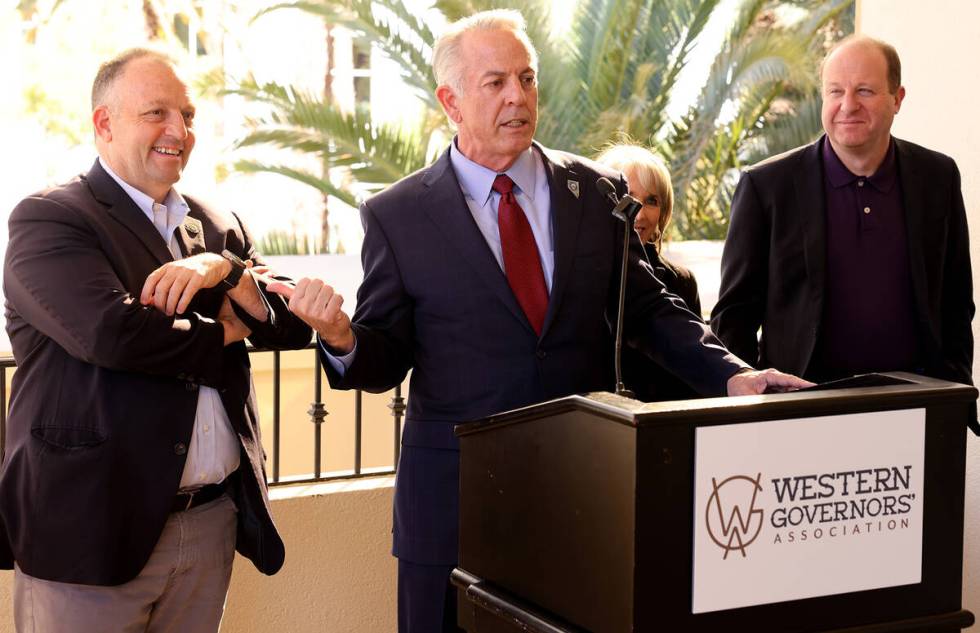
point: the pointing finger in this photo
(281, 289)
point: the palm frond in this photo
(319, 183)
(613, 73)
(396, 32)
(680, 30)
(797, 125)
(375, 155)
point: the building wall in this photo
(939, 42)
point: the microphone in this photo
(606, 188)
(625, 209)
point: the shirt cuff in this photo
(339, 363)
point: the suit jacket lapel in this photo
(810, 202)
(443, 202)
(190, 234)
(122, 208)
(566, 215)
(915, 199)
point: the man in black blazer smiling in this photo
(852, 253)
(134, 467)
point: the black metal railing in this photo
(317, 414)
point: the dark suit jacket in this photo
(647, 380)
(105, 392)
(434, 300)
(774, 263)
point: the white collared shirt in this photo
(214, 451)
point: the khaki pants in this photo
(181, 589)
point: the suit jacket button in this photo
(541, 354)
(189, 386)
(180, 448)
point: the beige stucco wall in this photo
(338, 576)
(939, 42)
(6, 605)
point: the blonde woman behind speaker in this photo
(649, 182)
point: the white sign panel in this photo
(794, 509)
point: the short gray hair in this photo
(446, 57)
(111, 70)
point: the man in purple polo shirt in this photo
(851, 253)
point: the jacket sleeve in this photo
(59, 281)
(663, 327)
(686, 287)
(694, 300)
(283, 329)
(737, 315)
(383, 322)
(957, 291)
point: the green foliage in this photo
(54, 116)
(373, 155)
(613, 74)
(286, 243)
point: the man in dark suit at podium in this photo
(851, 253)
(492, 274)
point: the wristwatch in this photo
(238, 268)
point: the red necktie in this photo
(522, 264)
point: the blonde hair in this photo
(650, 172)
(447, 62)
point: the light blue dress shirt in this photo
(532, 193)
(213, 453)
(476, 181)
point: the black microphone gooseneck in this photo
(625, 209)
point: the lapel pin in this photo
(192, 226)
(573, 187)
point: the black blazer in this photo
(647, 380)
(774, 262)
(105, 392)
(434, 300)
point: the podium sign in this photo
(800, 508)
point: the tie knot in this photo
(502, 184)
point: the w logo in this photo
(732, 519)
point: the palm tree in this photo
(613, 73)
(768, 71)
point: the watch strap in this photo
(238, 268)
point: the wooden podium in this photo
(578, 514)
